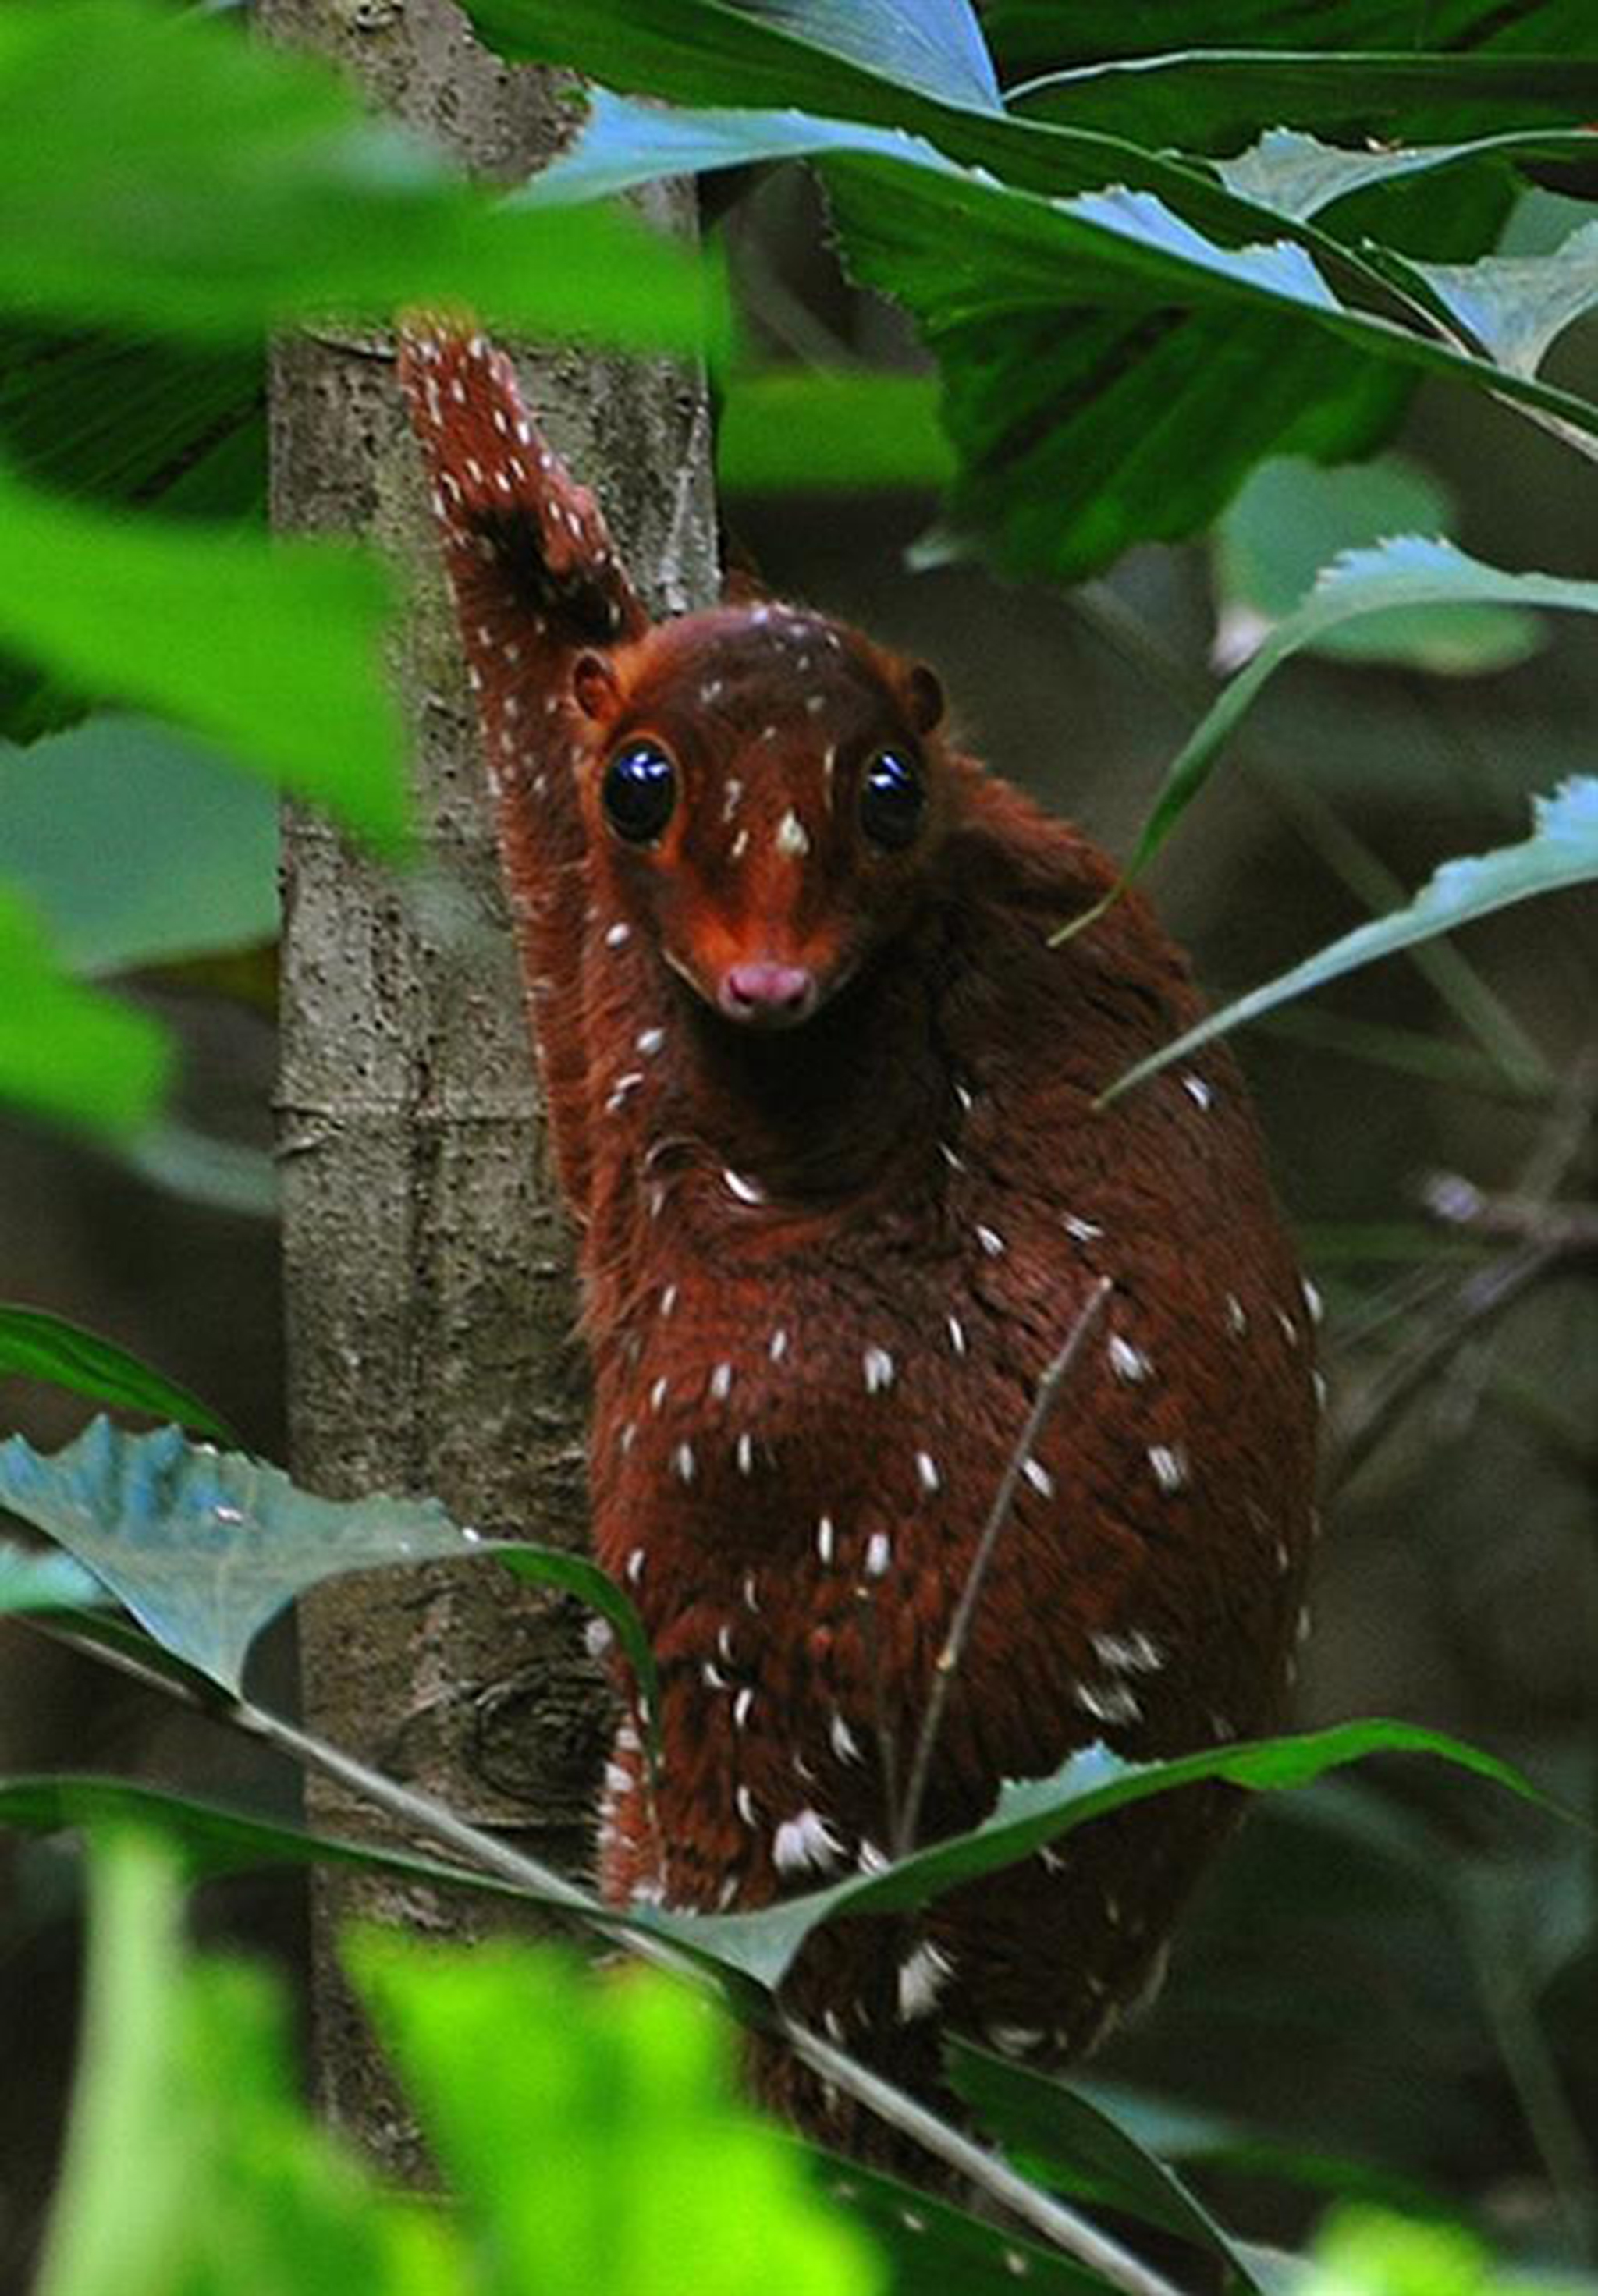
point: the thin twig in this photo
(954, 1649)
(434, 1821)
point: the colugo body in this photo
(823, 1095)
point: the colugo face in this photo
(771, 791)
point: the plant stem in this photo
(998, 1514)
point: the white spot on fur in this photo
(879, 1369)
(926, 1473)
(793, 837)
(806, 1844)
(1170, 1463)
(922, 1976)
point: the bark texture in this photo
(428, 1271)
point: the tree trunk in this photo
(428, 1277)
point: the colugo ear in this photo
(594, 687)
(923, 697)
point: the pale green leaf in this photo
(67, 1053)
(1298, 175)
(1517, 306)
(204, 1546)
(220, 629)
(195, 845)
(593, 2134)
(1561, 852)
(1407, 572)
(30, 1581)
(935, 46)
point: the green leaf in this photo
(1516, 307)
(34, 1345)
(195, 845)
(1291, 518)
(1082, 339)
(1039, 32)
(1209, 100)
(1406, 572)
(1562, 851)
(1299, 176)
(68, 1052)
(933, 2247)
(32, 1581)
(795, 431)
(192, 2163)
(592, 2133)
(206, 1839)
(207, 186)
(204, 1546)
(1078, 2149)
(1032, 1813)
(213, 628)
(935, 46)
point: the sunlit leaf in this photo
(192, 2161)
(34, 1345)
(195, 845)
(204, 1546)
(625, 2095)
(198, 183)
(68, 1052)
(935, 46)
(1562, 851)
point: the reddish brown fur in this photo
(825, 1266)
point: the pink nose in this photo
(762, 991)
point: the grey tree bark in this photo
(428, 1276)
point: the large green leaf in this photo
(594, 2135)
(204, 1546)
(1034, 1812)
(195, 845)
(191, 2162)
(1561, 852)
(217, 629)
(1215, 101)
(159, 172)
(1407, 574)
(34, 1345)
(936, 45)
(1074, 2144)
(68, 1052)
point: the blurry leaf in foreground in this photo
(592, 2131)
(1291, 518)
(1367, 2251)
(1562, 851)
(809, 430)
(34, 1345)
(137, 845)
(32, 1581)
(218, 629)
(67, 1053)
(191, 2164)
(204, 1546)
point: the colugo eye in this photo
(639, 791)
(893, 797)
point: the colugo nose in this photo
(761, 991)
